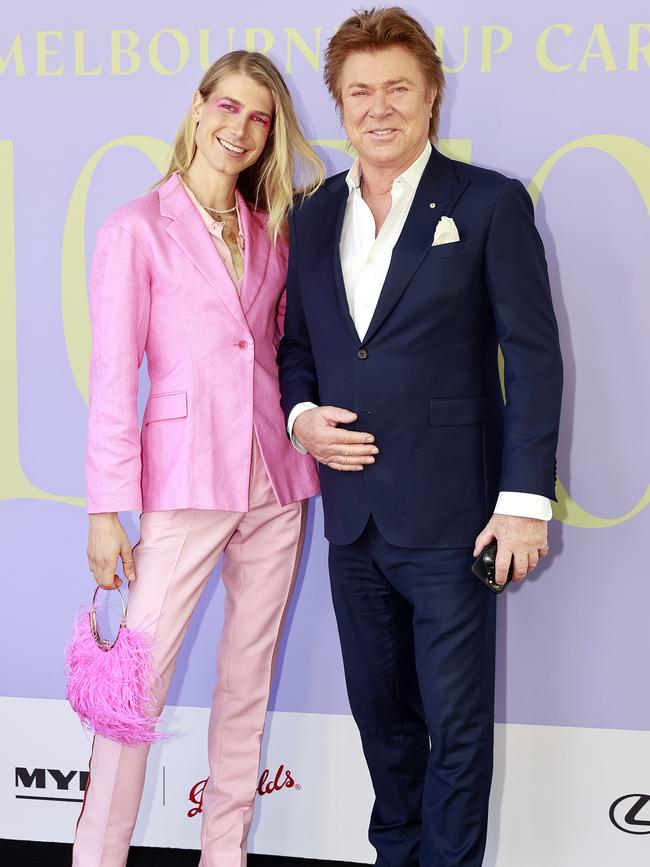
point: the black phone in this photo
(484, 567)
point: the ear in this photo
(197, 104)
(431, 97)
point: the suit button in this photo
(243, 344)
(362, 354)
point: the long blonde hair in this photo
(268, 184)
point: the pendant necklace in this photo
(232, 234)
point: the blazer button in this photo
(362, 354)
(243, 344)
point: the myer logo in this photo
(43, 783)
(627, 814)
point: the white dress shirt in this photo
(365, 259)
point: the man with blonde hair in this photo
(405, 275)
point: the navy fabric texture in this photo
(416, 627)
(427, 381)
(417, 631)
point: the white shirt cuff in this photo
(523, 505)
(293, 415)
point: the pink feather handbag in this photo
(110, 684)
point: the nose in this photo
(380, 105)
(238, 127)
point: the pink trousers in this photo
(175, 555)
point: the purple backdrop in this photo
(570, 640)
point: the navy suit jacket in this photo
(425, 378)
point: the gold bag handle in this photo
(104, 643)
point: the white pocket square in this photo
(446, 232)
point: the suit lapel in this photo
(189, 232)
(441, 185)
(340, 191)
(256, 253)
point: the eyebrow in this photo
(241, 105)
(389, 83)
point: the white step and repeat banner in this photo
(561, 796)
(555, 94)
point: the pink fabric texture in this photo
(175, 555)
(111, 690)
(158, 286)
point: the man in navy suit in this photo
(405, 275)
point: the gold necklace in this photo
(231, 231)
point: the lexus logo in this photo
(628, 814)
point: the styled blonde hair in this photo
(371, 30)
(268, 184)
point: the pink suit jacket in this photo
(159, 286)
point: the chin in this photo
(382, 154)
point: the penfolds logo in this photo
(265, 786)
(282, 780)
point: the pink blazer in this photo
(159, 286)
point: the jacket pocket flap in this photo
(460, 410)
(172, 404)
(444, 251)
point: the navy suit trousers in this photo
(417, 630)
